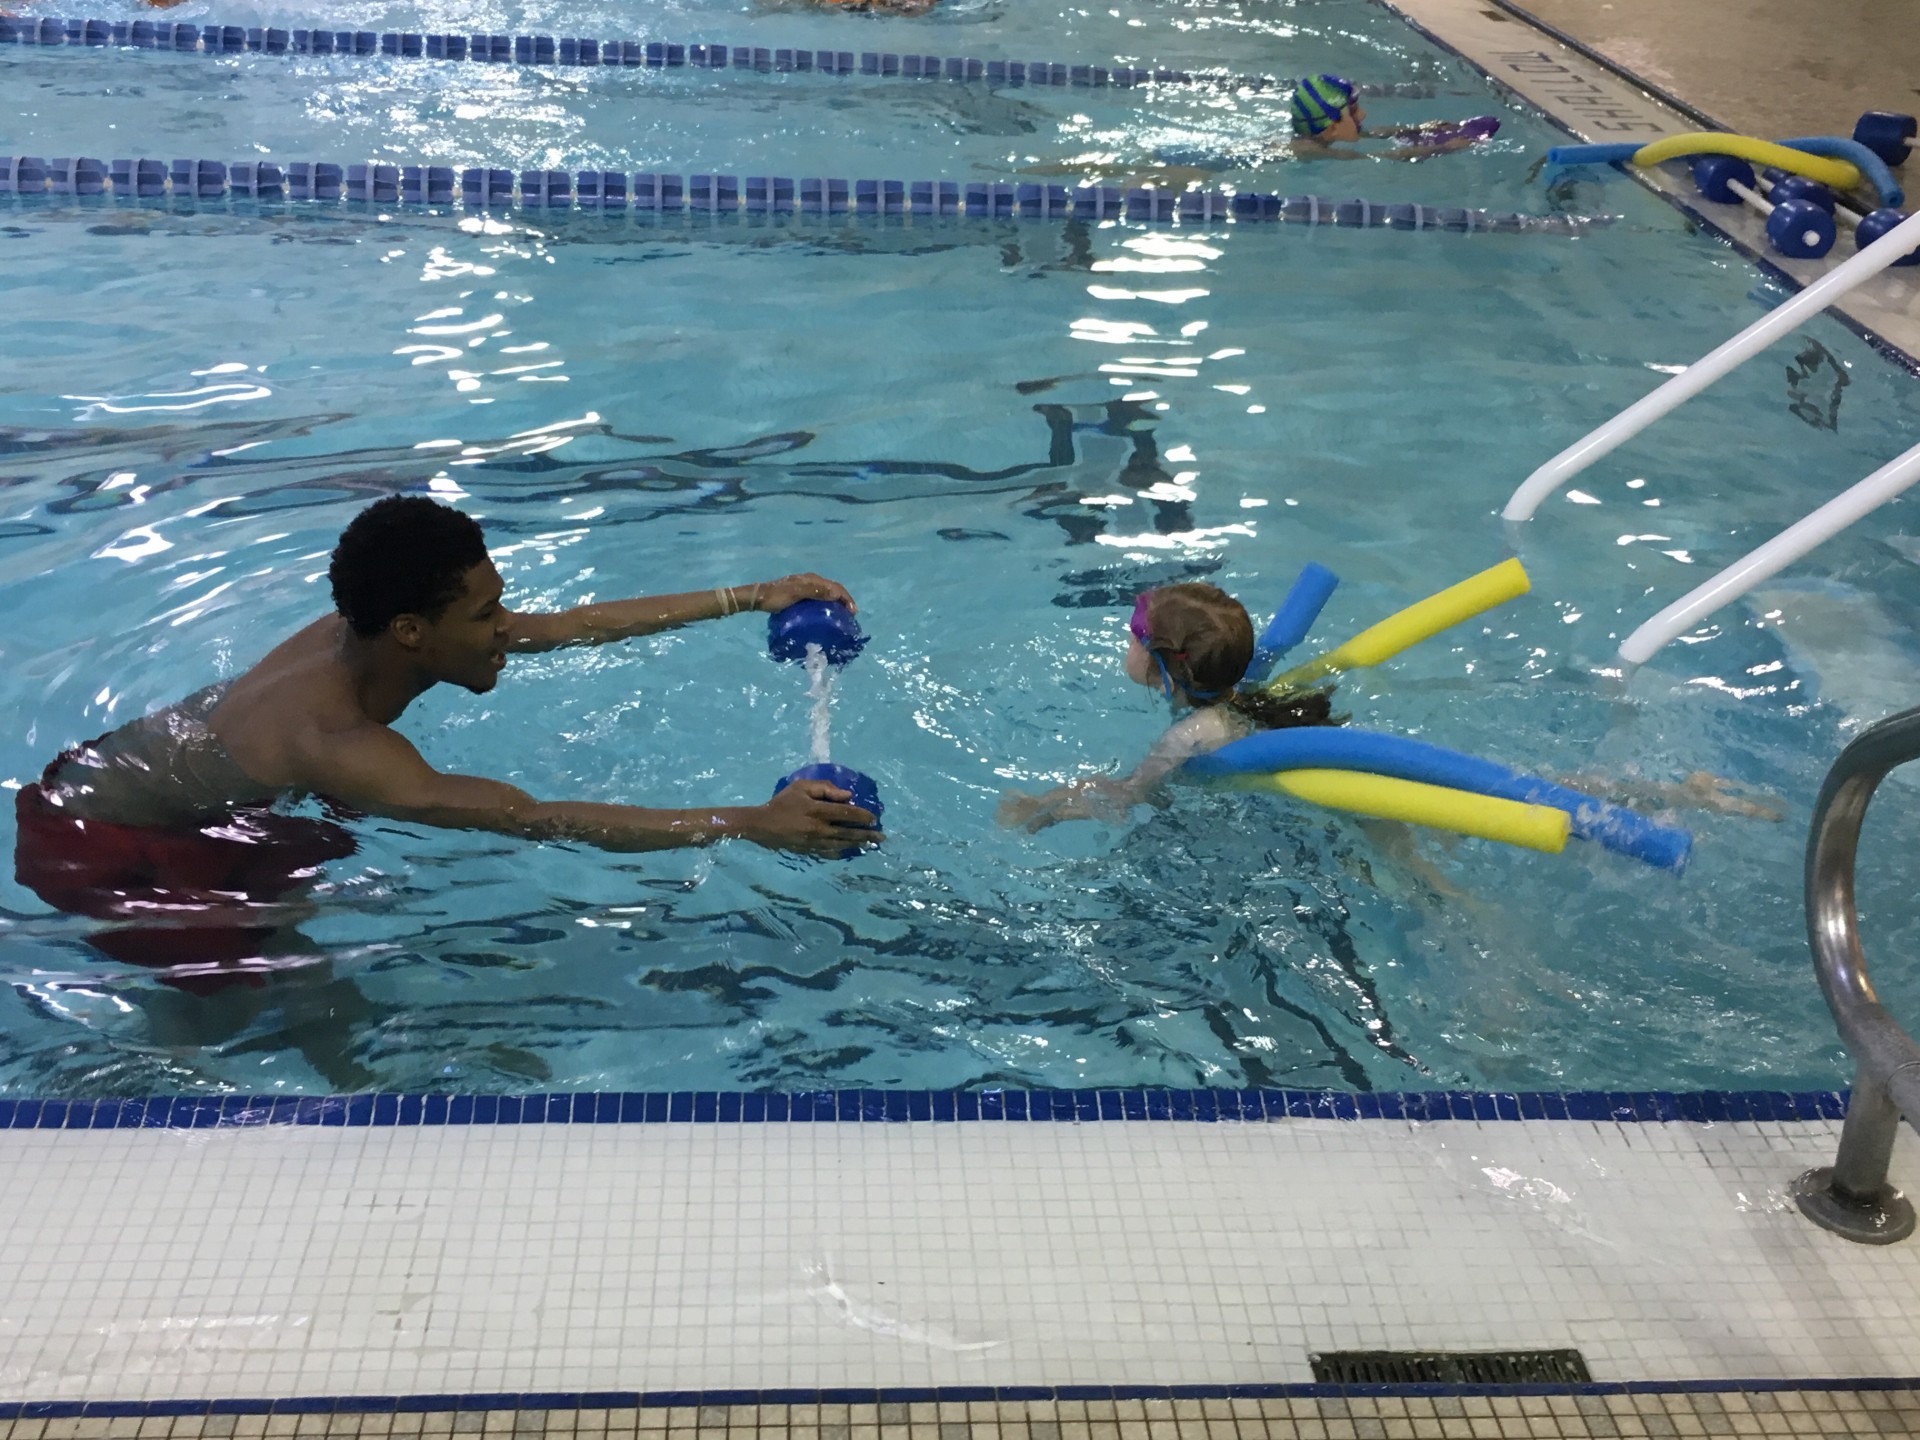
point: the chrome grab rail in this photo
(1852, 1196)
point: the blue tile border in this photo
(893, 1395)
(893, 1107)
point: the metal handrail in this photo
(1853, 1197)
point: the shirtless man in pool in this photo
(169, 816)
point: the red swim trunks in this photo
(200, 888)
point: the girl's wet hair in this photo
(1205, 639)
(1284, 709)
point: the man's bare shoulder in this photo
(284, 719)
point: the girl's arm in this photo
(1110, 797)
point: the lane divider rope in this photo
(214, 40)
(616, 191)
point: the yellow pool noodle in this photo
(1412, 625)
(1536, 827)
(1841, 175)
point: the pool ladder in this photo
(1852, 1197)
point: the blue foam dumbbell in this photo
(1800, 230)
(1712, 174)
(1888, 135)
(825, 623)
(1799, 187)
(1876, 224)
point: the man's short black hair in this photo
(405, 555)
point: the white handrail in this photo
(1769, 559)
(1703, 372)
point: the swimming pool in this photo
(995, 432)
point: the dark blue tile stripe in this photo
(187, 1112)
(653, 1399)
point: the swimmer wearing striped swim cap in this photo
(1326, 111)
(1326, 108)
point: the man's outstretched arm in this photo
(623, 619)
(378, 770)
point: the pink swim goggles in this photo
(1138, 626)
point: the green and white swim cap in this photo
(1319, 101)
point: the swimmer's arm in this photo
(378, 771)
(1110, 797)
(1092, 797)
(1314, 150)
(648, 614)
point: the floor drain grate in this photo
(1443, 1367)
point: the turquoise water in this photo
(995, 433)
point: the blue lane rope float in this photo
(51, 31)
(1344, 748)
(647, 192)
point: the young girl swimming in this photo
(1193, 642)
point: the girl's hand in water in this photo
(776, 595)
(1096, 797)
(1020, 811)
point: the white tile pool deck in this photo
(283, 1260)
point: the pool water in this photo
(995, 433)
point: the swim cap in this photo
(1319, 101)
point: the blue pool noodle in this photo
(1593, 154)
(1337, 748)
(1295, 617)
(1836, 147)
(1833, 147)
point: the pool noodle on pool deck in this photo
(1344, 748)
(1837, 174)
(1833, 147)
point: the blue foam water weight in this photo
(1872, 226)
(208, 39)
(832, 627)
(615, 192)
(866, 794)
(825, 623)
